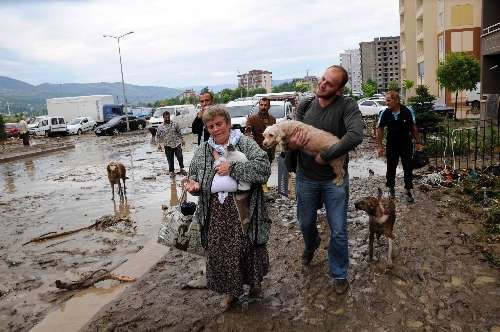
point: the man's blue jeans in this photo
(336, 199)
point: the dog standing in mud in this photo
(117, 172)
(382, 213)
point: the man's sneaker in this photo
(307, 257)
(392, 193)
(409, 197)
(340, 286)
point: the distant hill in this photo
(16, 91)
(23, 96)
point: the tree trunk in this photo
(456, 106)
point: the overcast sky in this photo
(183, 43)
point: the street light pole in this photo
(121, 69)
(241, 90)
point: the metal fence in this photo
(456, 145)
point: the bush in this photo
(3, 134)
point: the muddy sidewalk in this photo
(439, 282)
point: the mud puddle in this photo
(66, 191)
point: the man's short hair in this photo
(265, 99)
(394, 95)
(210, 93)
(166, 112)
(345, 76)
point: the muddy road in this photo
(439, 283)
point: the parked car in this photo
(34, 123)
(51, 125)
(12, 129)
(239, 111)
(77, 126)
(442, 109)
(119, 124)
(372, 107)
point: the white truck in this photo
(76, 107)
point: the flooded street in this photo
(65, 191)
(439, 282)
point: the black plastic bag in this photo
(419, 160)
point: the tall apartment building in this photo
(490, 59)
(256, 79)
(351, 61)
(431, 29)
(380, 61)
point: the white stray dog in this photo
(319, 141)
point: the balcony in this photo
(403, 66)
(491, 42)
(420, 35)
(420, 11)
(402, 9)
(420, 57)
(402, 28)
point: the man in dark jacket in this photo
(206, 98)
(257, 123)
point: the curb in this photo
(35, 153)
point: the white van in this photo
(33, 124)
(473, 97)
(51, 125)
(239, 111)
(182, 114)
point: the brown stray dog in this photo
(116, 171)
(319, 141)
(382, 213)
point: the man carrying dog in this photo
(172, 140)
(257, 123)
(339, 115)
(206, 99)
(401, 128)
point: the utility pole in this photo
(307, 79)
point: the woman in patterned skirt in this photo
(235, 223)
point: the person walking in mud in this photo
(24, 131)
(172, 141)
(236, 224)
(206, 99)
(339, 115)
(401, 129)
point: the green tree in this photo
(238, 93)
(347, 91)
(204, 90)
(423, 107)
(458, 72)
(393, 85)
(407, 84)
(193, 99)
(3, 134)
(301, 88)
(368, 89)
(286, 86)
(373, 83)
(253, 92)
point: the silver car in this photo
(372, 107)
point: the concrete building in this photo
(380, 61)
(310, 81)
(431, 29)
(187, 93)
(256, 79)
(351, 61)
(490, 59)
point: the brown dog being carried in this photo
(319, 141)
(382, 213)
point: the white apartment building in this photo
(350, 60)
(256, 79)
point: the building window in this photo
(440, 19)
(421, 69)
(403, 56)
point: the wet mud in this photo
(439, 282)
